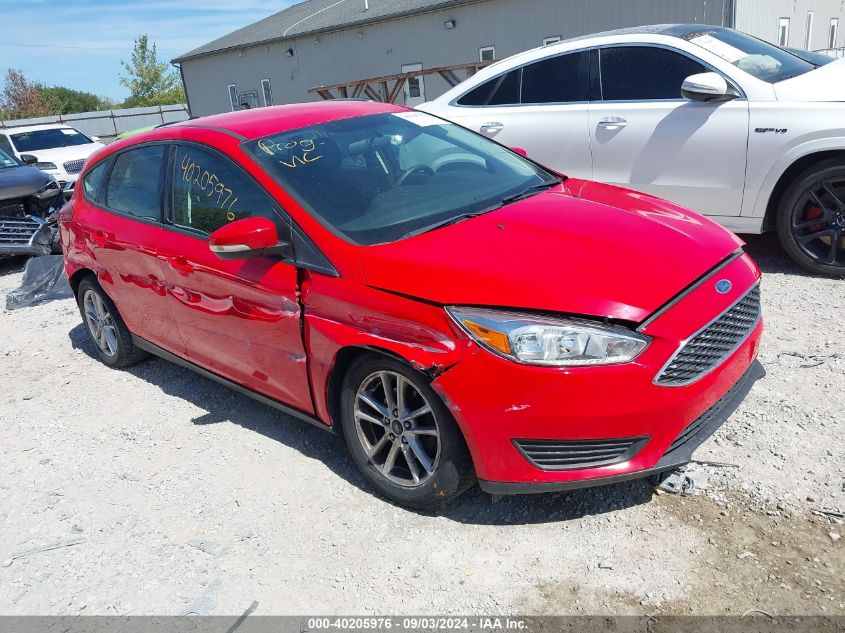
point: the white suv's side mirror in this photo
(707, 87)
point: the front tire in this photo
(811, 219)
(401, 435)
(112, 339)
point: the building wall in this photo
(761, 18)
(511, 26)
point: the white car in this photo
(59, 150)
(707, 117)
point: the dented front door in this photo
(239, 318)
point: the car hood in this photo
(580, 248)
(59, 155)
(826, 83)
(25, 180)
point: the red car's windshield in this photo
(382, 177)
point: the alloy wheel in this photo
(818, 222)
(100, 323)
(397, 428)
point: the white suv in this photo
(708, 117)
(59, 150)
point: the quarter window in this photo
(557, 80)
(636, 73)
(209, 191)
(133, 186)
(503, 90)
(92, 182)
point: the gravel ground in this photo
(156, 491)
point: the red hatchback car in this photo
(450, 307)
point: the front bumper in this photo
(687, 442)
(503, 406)
(28, 235)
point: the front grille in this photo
(74, 166)
(572, 454)
(707, 349)
(17, 230)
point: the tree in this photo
(66, 101)
(150, 82)
(22, 99)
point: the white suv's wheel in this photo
(811, 219)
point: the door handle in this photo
(491, 129)
(180, 264)
(613, 122)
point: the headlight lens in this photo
(541, 340)
(46, 165)
(48, 191)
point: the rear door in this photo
(239, 318)
(120, 223)
(647, 137)
(540, 107)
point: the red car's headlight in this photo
(542, 340)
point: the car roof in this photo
(34, 128)
(258, 122)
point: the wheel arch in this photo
(76, 278)
(788, 175)
(343, 360)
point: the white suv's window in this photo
(560, 79)
(644, 73)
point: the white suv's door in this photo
(647, 137)
(540, 107)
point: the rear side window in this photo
(633, 73)
(209, 191)
(503, 90)
(92, 182)
(557, 80)
(133, 186)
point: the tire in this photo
(113, 344)
(811, 219)
(431, 463)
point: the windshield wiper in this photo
(449, 222)
(530, 191)
(525, 193)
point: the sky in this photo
(79, 43)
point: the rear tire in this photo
(811, 219)
(106, 329)
(401, 435)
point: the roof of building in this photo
(317, 16)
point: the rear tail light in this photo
(66, 212)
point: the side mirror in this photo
(28, 159)
(707, 87)
(247, 238)
(519, 151)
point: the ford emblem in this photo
(723, 286)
